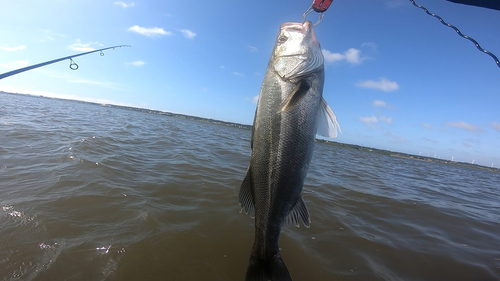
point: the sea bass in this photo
(290, 112)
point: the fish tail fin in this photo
(267, 269)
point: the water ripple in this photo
(91, 192)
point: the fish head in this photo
(297, 51)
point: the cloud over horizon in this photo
(371, 120)
(136, 63)
(149, 32)
(352, 56)
(12, 49)
(15, 64)
(383, 85)
(84, 47)
(464, 126)
(93, 82)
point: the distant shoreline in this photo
(411, 156)
(249, 127)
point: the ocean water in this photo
(89, 192)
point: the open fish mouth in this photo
(306, 27)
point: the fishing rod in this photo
(72, 64)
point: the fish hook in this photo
(102, 54)
(73, 65)
(319, 6)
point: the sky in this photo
(396, 78)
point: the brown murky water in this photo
(89, 192)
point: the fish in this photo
(290, 112)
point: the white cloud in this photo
(48, 35)
(255, 99)
(379, 103)
(84, 47)
(332, 57)
(150, 32)
(124, 5)
(427, 126)
(371, 45)
(238, 73)
(18, 48)
(352, 56)
(92, 82)
(11, 89)
(136, 63)
(383, 85)
(464, 126)
(188, 33)
(252, 49)
(496, 126)
(386, 119)
(369, 119)
(15, 64)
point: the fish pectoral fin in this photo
(299, 91)
(245, 197)
(299, 210)
(327, 121)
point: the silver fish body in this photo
(289, 112)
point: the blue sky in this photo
(396, 78)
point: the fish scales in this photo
(287, 117)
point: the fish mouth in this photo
(305, 28)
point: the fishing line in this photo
(458, 32)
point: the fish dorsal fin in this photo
(299, 210)
(327, 121)
(245, 197)
(299, 91)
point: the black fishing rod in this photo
(72, 65)
(489, 4)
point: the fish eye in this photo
(282, 39)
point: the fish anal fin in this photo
(245, 197)
(327, 124)
(299, 210)
(299, 91)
